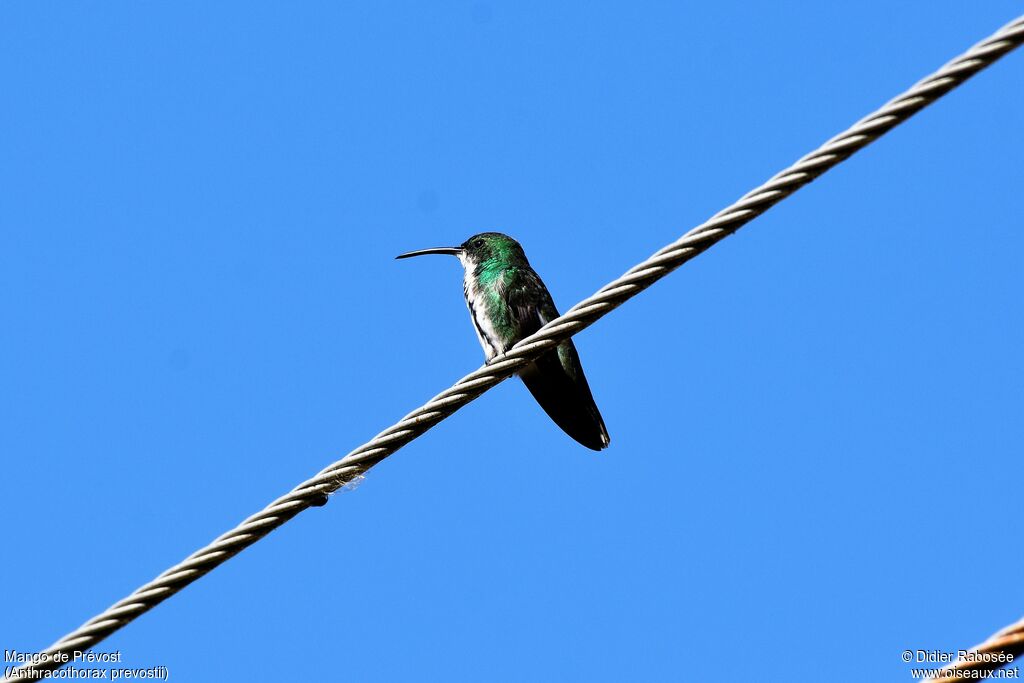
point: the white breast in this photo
(485, 332)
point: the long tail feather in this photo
(565, 396)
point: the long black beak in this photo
(451, 251)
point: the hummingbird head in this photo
(482, 250)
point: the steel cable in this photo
(314, 491)
(994, 653)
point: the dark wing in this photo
(556, 378)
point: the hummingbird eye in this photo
(478, 243)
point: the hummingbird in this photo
(508, 302)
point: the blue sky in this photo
(815, 426)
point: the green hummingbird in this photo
(508, 302)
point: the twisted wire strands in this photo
(314, 491)
(1008, 641)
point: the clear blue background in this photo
(816, 427)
